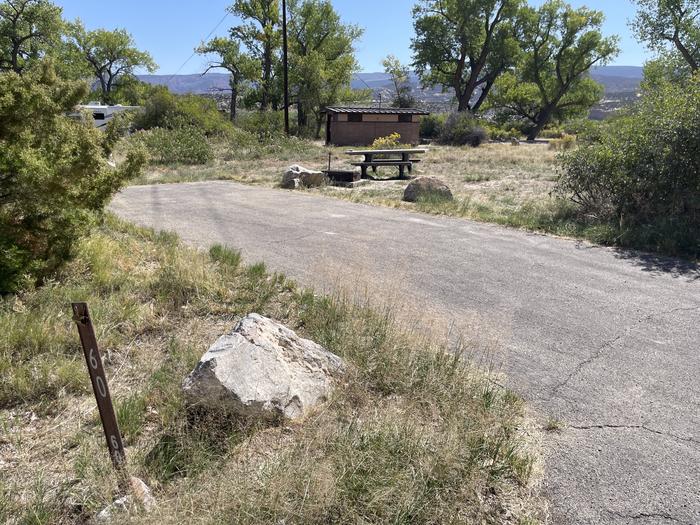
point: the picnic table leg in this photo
(406, 157)
(364, 171)
(401, 171)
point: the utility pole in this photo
(285, 59)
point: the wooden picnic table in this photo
(402, 158)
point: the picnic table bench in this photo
(377, 158)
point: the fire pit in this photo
(344, 178)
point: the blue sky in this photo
(170, 29)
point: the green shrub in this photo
(552, 133)
(243, 145)
(583, 128)
(565, 143)
(176, 146)
(431, 126)
(166, 110)
(500, 134)
(643, 172)
(266, 125)
(463, 129)
(54, 176)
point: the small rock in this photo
(427, 186)
(291, 183)
(298, 175)
(140, 495)
(262, 371)
(514, 142)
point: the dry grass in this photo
(415, 435)
(496, 182)
(253, 164)
(498, 178)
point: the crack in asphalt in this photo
(647, 515)
(599, 352)
(290, 239)
(635, 427)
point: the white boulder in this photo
(262, 370)
(297, 176)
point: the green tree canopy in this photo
(107, 55)
(29, 29)
(54, 174)
(261, 37)
(230, 58)
(400, 77)
(322, 58)
(465, 45)
(674, 24)
(560, 46)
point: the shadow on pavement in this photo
(660, 265)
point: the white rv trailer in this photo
(101, 113)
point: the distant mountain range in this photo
(616, 79)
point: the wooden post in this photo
(81, 316)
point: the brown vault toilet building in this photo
(346, 126)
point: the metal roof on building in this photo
(377, 111)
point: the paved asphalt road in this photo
(606, 342)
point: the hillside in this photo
(616, 79)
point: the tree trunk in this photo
(15, 60)
(482, 97)
(108, 93)
(234, 96)
(267, 74)
(319, 124)
(464, 103)
(302, 117)
(541, 121)
(104, 88)
(686, 53)
(465, 98)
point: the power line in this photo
(378, 90)
(195, 52)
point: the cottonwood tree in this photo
(551, 82)
(261, 37)
(29, 29)
(400, 77)
(670, 24)
(107, 55)
(231, 59)
(322, 58)
(465, 45)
